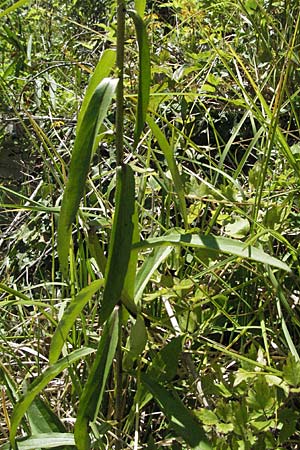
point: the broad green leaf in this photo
(181, 419)
(44, 440)
(83, 146)
(13, 7)
(92, 393)
(169, 155)
(149, 266)
(102, 70)
(39, 384)
(120, 244)
(68, 319)
(139, 6)
(144, 73)
(216, 244)
(42, 419)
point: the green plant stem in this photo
(119, 384)
(120, 87)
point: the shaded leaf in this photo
(181, 419)
(144, 71)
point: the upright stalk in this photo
(120, 88)
(119, 160)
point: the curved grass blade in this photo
(13, 7)
(69, 317)
(92, 393)
(168, 153)
(38, 384)
(44, 440)
(102, 70)
(121, 243)
(144, 72)
(79, 166)
(181, 419)
(216, 244)
(149, 266)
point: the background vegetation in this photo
(172, 319)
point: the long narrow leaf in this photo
(182, 421)
(102, 70)
(148, 268)
(13, 7)
(169, 155)
(121, 242)
(144, 72)
(216, 244)
(79, 166)
(92, 393)
(38, 384)
(69, 317)
(44, 440)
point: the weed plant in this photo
(149, 245)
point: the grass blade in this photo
(216, 244)
(144, 72)
(121, 243)
(148, 268)
(13, 7)
(92, 393)
(39, 383)
(83, 146)
(69, 317)
(169, 155)
(182, 421)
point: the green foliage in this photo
(151, 238)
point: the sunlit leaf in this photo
(80, 162)
(216, 244)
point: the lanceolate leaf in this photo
(182, 421)
(83, 146)
(102, 70)
(216, 244)
(144, 72)
(169, 155)
(38, 384)
(120, 244)
(92, 393)
(69, 317)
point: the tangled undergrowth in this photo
(196, 237)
